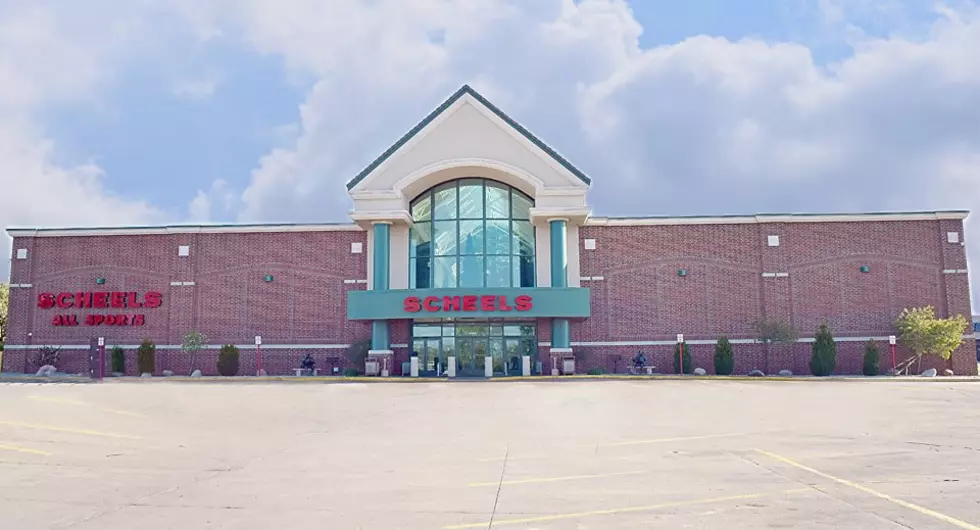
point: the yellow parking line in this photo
(616, 511)
(915, 507)
(68, 430)
(24, 450)
(553, 479)
(666, 440)
(88, 405)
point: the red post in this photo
(893, 356)
(258, 351)
(101, 361)
(680, 357)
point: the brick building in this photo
(472, 240)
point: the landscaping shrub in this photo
(357, 353)
(724, 357)
(688, 361)
(596, 371)
(47, 356)
(870, 366)
(228, 360)
(118, 360)
(824, 358)
(146, 357)
(350, 372)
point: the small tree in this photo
(193, 342)
(357, 353)
(922, 333)
(771, 331)
(824, 358)
(724, 357)
(688, 361)
(146, 357)
(870, 364)
(118, 358)
(47, 356)
(228, 360)
(4, 307)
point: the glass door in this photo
(471, 353)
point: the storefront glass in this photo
(470, 343)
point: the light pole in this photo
(680, 353)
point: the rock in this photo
(757, 373)
(947, 372)
(261, 373)
(146, 375)
(167, 373)
(117, 374)
(785, 373)
(700, 371)
(196, 373)
(929, 373)
(46, 371)
(892, 372)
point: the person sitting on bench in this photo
(640, 361)
(308, 364)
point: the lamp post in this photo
(101, 356)
(891, 342)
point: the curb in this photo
(554, 379)
(7, 378)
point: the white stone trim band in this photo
(21, 285)
(776, 218)
(182, 284)
(708, 341)
(955, 271)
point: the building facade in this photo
(470, 239)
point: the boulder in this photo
(700, 371)
(167, 373)
(117, 374)
(261, 373)
(929, 373)
(196, 373)
(785, 373)
(757, 373)
(46, 371)
(146, 375)
(947, 372)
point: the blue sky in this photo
(260, 110)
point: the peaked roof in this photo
(466, 89)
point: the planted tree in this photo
(118, 360)
(688, 361)
(47, 356)
(724, 357)
(824, 358)
(4, 306)
(771, 331)
(356, 354)
(870, 365)
(228, 360)
(146, 357)
(923, 334)
(193, 342)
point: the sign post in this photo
(101, 357)
(258, 352)
(680, 353)
(891, 342)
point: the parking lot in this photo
(542, 455)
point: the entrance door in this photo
(471, 354)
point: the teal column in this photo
(382, 259)
(560, 335)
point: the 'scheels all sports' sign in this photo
(468, 303)
(100, 300)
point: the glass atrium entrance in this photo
(471, 342)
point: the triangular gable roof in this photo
(466, 89)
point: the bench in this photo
(299, 371)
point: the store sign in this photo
(99, 300)
(468, 303)
(533, 302)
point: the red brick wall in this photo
(230, 303)
(642, 298)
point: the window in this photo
(471, 233)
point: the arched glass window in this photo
(471, 233)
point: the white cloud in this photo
(194, 89)
(49, 58)
(216, 203)
(706, 125)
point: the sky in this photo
(172, 111)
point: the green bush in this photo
(357, 353)
(824, 358)
(596, 371)
(146, 357)
(228, 360)
(688, 361)
(870, 366)
(118, 358)
(350, 372)
(724, 357)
